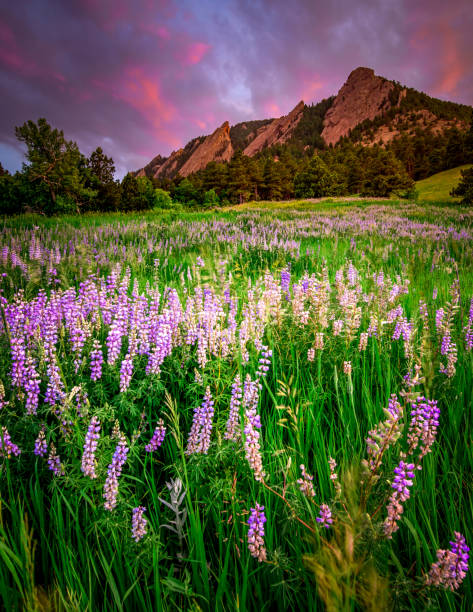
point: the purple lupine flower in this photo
(252, 425)
(7, 447)
(40, 445)
(439, 316)
(286, 280)
(264, 362)
(256, 523)
(206, 416)
(113, 474)
(232, 430)
(446, 341)
(138, 523)
(451, 566)
(325, 516)
(54, 462)
(423, 427)
(90, 447)
(96, 361)
(157, 438)
(31, 386)
(305, 483)
(126, 371)
(403, 480)
(199, 435)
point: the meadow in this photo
(257, 409)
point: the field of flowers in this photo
(251, 410)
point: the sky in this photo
(142, 77)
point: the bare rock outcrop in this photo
(277, 132)
(363, 96)
(216, 147)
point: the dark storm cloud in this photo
(143, 77)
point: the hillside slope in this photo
(437, 187)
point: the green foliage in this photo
(185, 192)
(464, 189)
(211, 198)
(309, 129)
(52, 162)
(240, 133)
(162, 199)
(315, 182)
(384, 174)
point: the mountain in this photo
(368, 110)
(364, 96)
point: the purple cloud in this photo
(141, 78)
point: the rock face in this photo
(364, 96)
(216, 147)
(277, 132)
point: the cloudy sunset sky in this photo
(143, 77)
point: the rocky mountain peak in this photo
(277, 132)
(216, 147)
(363, 96)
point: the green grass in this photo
(437, 188)
(61, 550)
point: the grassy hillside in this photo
(438, 186)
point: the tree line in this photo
(57, 178)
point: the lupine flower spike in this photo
(256, 523)
(138, 523)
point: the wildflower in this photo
(138, 523)
(126, 372)
(363, 341)
(305, 483)
(3, 401)
(96, 361)
(264, 362)
(199, 435)
(157, 438)
(40, 445)
(54, 462)
(385, 434)
(113, 474)
(7, 447)
(256, 523)
(319, 341)
(325, 516)
(337, 327)
(439, 317)
(451, 566)
(252, 425)
(334, 476)
(347, 367)
(403, 480)
(232, 430)
(90, 446)
(31, 386)
(311, 354)
(423, 427)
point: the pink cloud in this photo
(194, 53)
(142, 92)
(272, 108)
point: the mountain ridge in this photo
(368, 109)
